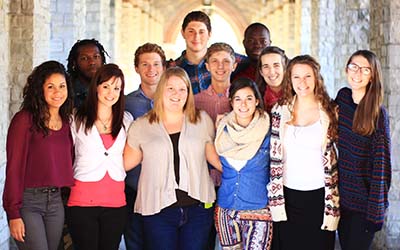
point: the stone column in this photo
(128, 28)
(4, 112)
(351, 33)
(145, 21)
(326, 43)
(67, 26)
(306, 22)
(385, 42)
(289, 28)
(98, 23)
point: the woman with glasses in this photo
(303, 192)
(364, 150)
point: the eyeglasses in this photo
(355, 68)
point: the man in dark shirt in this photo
(256, 38)
(84, 59)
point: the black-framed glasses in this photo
(355, 68)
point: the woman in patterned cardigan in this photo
(303, 192)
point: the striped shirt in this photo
(364, 164)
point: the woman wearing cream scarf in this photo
(242, 142)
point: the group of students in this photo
(291, 165)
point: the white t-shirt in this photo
(303, 168)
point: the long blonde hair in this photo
(189, 109)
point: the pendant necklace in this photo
(105, 127)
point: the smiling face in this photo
(303, 80)
(244, 104)
(196, 37)
(221, 65)
(55, 91)
(358, 76)
(109, 91)
(175, 94)
(272, 70)
(150, 68)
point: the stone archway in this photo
(223, 8)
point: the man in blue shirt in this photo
(150, 63)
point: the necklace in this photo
(105, 124)
(55, 124)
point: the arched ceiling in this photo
(237, 12)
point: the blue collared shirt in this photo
(246, 189)
(138, 104)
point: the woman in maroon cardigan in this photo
(39, 159)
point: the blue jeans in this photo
(133, 234)
(178, 228)
(43, 214)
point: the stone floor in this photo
(122, 244)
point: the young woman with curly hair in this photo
(303, 189)
(39, 159)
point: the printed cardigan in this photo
(280, 116)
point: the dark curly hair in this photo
(73, 54)
(87, 113)
(33, 95)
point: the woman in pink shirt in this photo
(39, 159)
(97, 206)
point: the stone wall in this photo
(32, 31)
(352, 21)
(4, 112)
(66, 26)
(385, 41)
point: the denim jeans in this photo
(133, 234)
(43, 214)
(178, 228)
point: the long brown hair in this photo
(368, 110)
(87, 113)
(156, 114)
(319, 91)
(34, 100)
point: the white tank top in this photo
(303, 168)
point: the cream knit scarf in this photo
(237, 142)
